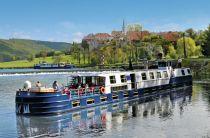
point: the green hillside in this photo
(13, 49)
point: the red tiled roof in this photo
(89, 37)
(170, 36)
(135, 36)
(102, 35)
(117, 34)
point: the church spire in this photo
(123, 26)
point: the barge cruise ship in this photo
(90, 89)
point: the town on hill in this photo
(118, 47)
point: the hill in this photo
(13, 49)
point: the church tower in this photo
(123, 27)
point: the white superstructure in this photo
(113, 81)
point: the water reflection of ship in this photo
(97, 120)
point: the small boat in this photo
(90, 89)
(61, 65)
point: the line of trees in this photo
(195, 43)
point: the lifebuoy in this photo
(66, 91)
(102, 90)
(91, 89)
(103, 117)
(80, 91)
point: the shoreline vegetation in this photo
(102, 49)
(195, 63)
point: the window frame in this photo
(159, 76)
(183, 72)
(112, 80)
(165, 74)
(152, 75)
(144, 77)
(188, 71)
(123, 79)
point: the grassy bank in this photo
(198, 65)
(190, 62)
(30, 64)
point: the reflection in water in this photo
(96, 121)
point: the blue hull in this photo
(181, 81)
(29, 103)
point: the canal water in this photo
(183, 112)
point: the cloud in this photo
(77, 37)
(167, 27)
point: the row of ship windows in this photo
(117, 88)
(143, 75)
(152, 77)
(113, 79)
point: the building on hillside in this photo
(98, 39)
(134, 36)
(170, 36)
(122, 37)
(90, 38)
(116, 35)
(119, 37)
(103, 37)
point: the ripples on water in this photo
(183, 112)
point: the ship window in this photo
(118, 88)
(151, 75)
(83, 80)
(188, 70)
(144, 76)
(183, 73)
(101, 81)
(112, 79)
(158, 75)
(123, 79)
(165, 74)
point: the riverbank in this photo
(195, 63)
(198, 65)
(30, 64)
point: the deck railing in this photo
(76, 93)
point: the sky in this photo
(71, 20)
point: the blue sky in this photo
(70, 20)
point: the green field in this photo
(30, 64)
(70, 59)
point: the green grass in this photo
(68, 58)
(30, 64)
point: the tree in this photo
(134, 27)
(191, 48)
(156, 40)
(30, 58)
(75, 51)
(43, 54)
(205, 43)
(85, 46)
(171, 53)
(191, 33)
(57, 59)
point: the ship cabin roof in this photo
(96, 74)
